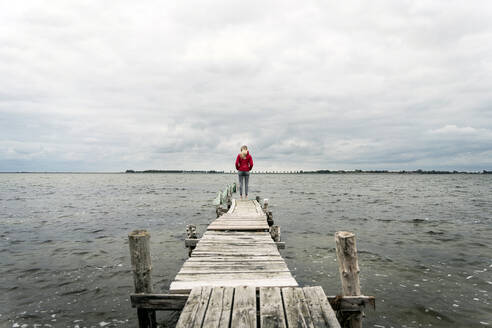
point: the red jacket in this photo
(244, 164)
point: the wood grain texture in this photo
(219, 308)
(296, 309)
(271, 308)
(244, 308)
(195, 308)
(235, 257)
(348, 266)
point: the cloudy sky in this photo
(111, 85)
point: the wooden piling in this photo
(349, 271)
(269, 218)
(139, 241)
(192, 235)
(275, 233)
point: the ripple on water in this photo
(397, 244)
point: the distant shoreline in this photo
(261, 172)
(322, 172)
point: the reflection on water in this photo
(423, 240)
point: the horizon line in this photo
(213, 171)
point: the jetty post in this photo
(139, 241)
(349, 271)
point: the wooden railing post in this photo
(191, 234)
(275, 233)
(139, 241)
(349, 270)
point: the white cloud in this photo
(453, 129)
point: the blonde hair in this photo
(241, 152)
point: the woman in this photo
(244, 164)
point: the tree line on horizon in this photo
(419, 171)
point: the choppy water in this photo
(424, 241)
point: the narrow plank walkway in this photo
(244, 215)
(237, 307)
(236, 250)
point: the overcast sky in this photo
(113, 85)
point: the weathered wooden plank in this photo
(239, 243)
(319, 313)
(314, 309)
(232, 224)
(239, 223)
(232, 276)
(236, 250)
(245, 215)
(199, 261)
(219, 308)
(195, 307)
(195, 266)
(213, 247)
(248, 245)
(231, 271)
(262, 246)
(225, 218)
(230, 253)
(239, 228)
(235, 238)
(180, 287)
(228, 248)
(271, 308)
(233, 258)
(248, 217)
(296, 309)
(225, 259)
(244, 308)
(159, 301)
(233, 267)
(233, 233)
(326, 309)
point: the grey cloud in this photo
(337, 85)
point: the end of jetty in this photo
(236, 277)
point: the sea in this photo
(424, 241)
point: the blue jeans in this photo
(243, 175)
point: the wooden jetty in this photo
(236, 277)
